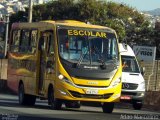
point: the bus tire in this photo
(21, 95)
(137, 105)
(72, 104)
(55, 103)
(31, 99)
(108, 107)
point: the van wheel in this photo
(137, 105)
(107, 107)
(21, 95)
(55, 103)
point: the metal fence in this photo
(152, 75)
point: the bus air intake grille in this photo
(91, 86)
(91, 78)
(79, 95)
(129, 86)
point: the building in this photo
(13, 6)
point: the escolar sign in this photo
(87, 33)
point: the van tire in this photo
(108, 107)
(137, 105)
(55, 103)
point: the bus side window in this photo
(41, 44)
(50, 44)
(24, 42)
(15, 41)
(33, 40)
(50, 50)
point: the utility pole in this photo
(6, 35)
(30, 11)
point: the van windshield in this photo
(129, 64)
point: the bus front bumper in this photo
(68, 92)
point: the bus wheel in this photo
(137, 105)
(21, 95)
(31, 99)
(72, 104)
(108, 107)
(55, 103)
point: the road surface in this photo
(11, 110)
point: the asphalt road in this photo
(11, 110)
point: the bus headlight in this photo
(64, 79)
(115, 82)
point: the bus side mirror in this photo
(142, 70)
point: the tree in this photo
(127, 22)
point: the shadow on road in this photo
(42, 105)
(24, 117)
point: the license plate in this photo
(125, 97)
(91, 91)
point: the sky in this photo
(141, 5)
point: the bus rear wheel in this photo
(31, 100)
(25, 99)
(21, 95)
(108, 107)
(55, 103)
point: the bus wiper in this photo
(103, 66)
(81, 58)
(101, 60)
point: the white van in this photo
(133, 84)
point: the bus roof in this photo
(81, 24)
(72, 23)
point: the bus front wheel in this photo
(55, 103)
(72, 104)
(107, 107)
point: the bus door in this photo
(47, 59)
(50, 59)
(42, 58)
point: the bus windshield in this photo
(129, 64)
(87, 46)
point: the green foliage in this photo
(127, 22)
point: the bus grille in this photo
(91, 86)
(129, 86)
(79, 95)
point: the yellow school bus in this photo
(66, 62)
